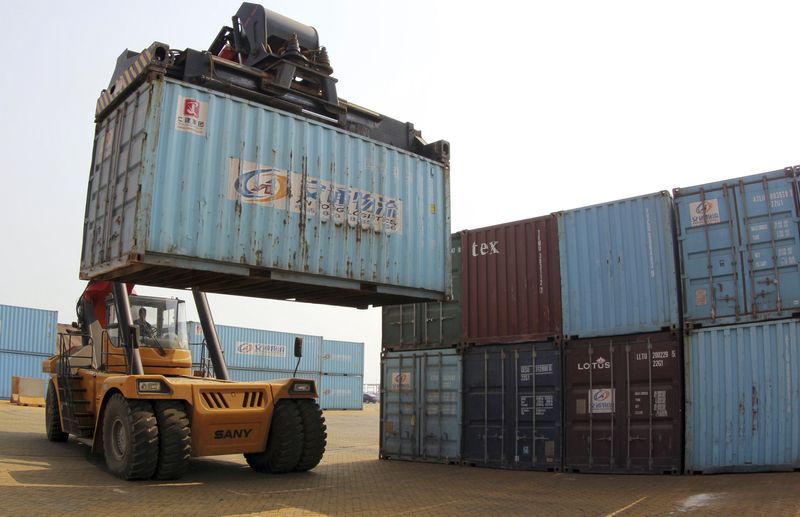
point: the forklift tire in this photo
(52, 417)
(285, 442)
(314, 434)
(174, 439)
(130, 438)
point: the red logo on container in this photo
(191, 108)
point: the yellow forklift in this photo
(130, 394)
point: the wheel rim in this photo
(119, 439)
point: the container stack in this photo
(337, 367)
(512, 360)
(27, 337)
(739, 249)
(622, 350)
(421, 376)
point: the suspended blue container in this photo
(421, 406)
(27, 330)
(618, 271)
(191, 187)
(743, 397)
(258, 349)
(18, 365)
(342, 357)
(739, 247)
(341, 391)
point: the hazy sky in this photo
(547, 105)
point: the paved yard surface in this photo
(39, 477)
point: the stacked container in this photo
(27, 337)
(512, 362)
(257, 354)
(421, 376)
(622, 375)
(739, 246)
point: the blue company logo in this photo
(601, 396)
(704, 207)
(262, 185)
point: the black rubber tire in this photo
(52, 416)
(130, 438)
(314, 434)
(285, 442)
(174, 438)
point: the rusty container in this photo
(623, 404)
(511, 287)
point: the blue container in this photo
(512, 406)
(27, 330)
(739, 246)
(421, 406)
(341, 392)
(260, 202)
(242, 375)
(342, 357)
(19, 365)
(258, 349)
(743, 397)
(618, 271)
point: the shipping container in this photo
(27, 330)
(258, 349)
(19, 365)
(242, 198)
(511, 282)
(427, 325)
(244, 375)
(623, 404)
(342, 357)
(421, 406)
(513, 406)
(341, 391)
(743, 398)
(739, 247)
(618, 270)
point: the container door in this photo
(591, 406)
(398, 404)
(652, 405)
(713, 289)
(440, 420)
(485, 411)
(442, 320)
(399, 325)
(768, 209)
(624, 405)
(534, 440)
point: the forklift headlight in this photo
(152, 387)
(301, 388)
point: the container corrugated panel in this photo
(19, 365)
(511, 284)
(23, 329)
(190, 187)
(618, 270)
(739, 246)
(342, 357)
(427, 325)
(421, 406)
(341, 391)
(743, 398)
(623, 404)
(261, 349)
(513, 407)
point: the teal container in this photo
(421, 406)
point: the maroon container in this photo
(623, 404)
(511, 288)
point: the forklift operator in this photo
(145, 329)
